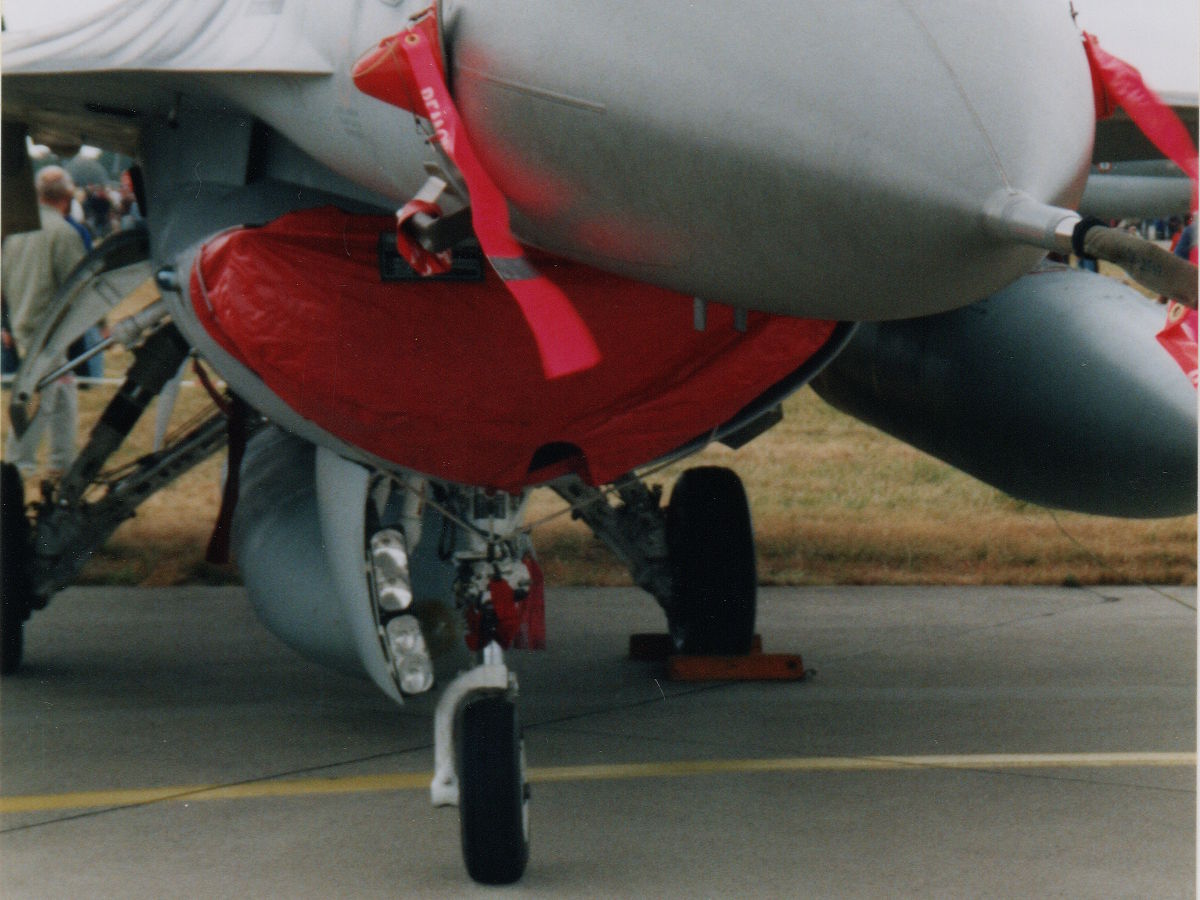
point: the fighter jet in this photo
(430, 257)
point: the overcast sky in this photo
(1160, 37)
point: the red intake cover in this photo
(444, 377)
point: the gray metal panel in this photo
(277, 542)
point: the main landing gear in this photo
(16, 579)
(696, 557)
(44, 553)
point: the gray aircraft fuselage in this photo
(819, 160)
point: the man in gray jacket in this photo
(35, 264)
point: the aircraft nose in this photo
(824, 160)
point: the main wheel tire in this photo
(493, 795)
(16, 582)
(710, 546)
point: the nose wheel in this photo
(479, 766)
(493, 793)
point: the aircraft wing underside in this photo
(164, 36)
(96, 81)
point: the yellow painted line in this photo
(298, 787)
(408, 781)
(861, 764)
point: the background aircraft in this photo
(625, 231)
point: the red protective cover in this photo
(1179, 338)
(563, 341)
(384, 72)
(445, 378)
(1115, 83)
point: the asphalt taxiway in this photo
(983, 742)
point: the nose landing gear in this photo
(478, 750)
(696, 557)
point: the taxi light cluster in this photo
(389, 565)
(405, 644)
(410, 655)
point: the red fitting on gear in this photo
(423, 262)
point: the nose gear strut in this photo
(479, 757)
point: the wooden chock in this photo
(754, 666)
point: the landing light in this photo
(416, 675)
(389, 565)
(410, 656)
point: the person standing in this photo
(34, 265)
(94, 367)
(1185, 244)
(9, 361)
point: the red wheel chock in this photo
(754, 666)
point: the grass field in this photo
(833, 501)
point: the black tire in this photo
(16, 583)
(710, 546)
(493, 795)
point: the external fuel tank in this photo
(1053, 390)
